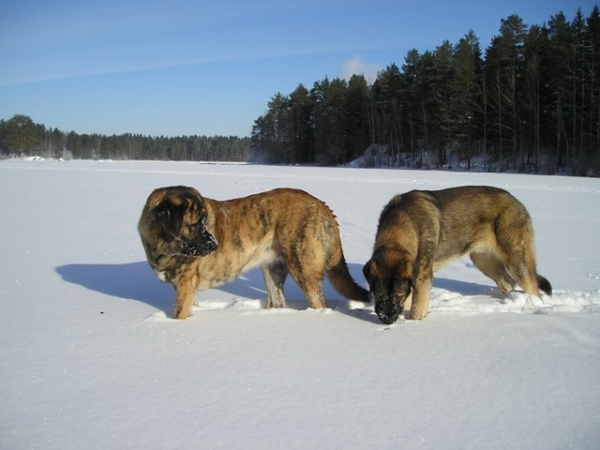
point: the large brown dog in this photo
(421, 231)
(194, 243)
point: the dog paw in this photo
(417, 315)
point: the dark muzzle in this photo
(387, 309)
(203, 246)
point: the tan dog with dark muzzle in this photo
(422, 231)
(196, 243)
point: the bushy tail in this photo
(342, 281)
(337, 271)
(544, 285)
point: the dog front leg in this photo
(420, 297)
(184, 298)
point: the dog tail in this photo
(342, 281)
(340, 277)
(544, 284)
(337, 269)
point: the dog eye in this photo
(201, 223)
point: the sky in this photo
(187, 67)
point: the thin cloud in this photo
(99, 66)
(356, 66)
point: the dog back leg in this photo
(532, 281)
(518, 246)
(313, 289)
(521, 261)
(306, 261)
(522, 268)
(493, 267)
(311, 283)
(275, 274)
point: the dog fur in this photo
(420, 232)
(195, 243)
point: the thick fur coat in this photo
(195, 243)
(420, 232)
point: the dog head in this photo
(180, 222)
(390, 284)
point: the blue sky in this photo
(185, 67)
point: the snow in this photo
(90, 358)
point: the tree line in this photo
(21, 136)
(530, 102)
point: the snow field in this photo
(89, 357)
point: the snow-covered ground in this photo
(89, 358)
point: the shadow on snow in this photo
(137, 281)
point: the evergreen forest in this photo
(21, 136)
(529, 103)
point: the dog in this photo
(194, 242)
(420, 232)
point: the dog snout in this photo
(200, 247)
(387, 320)
(387, 310)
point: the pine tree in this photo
(504, 67)
(357, 117)
(387, 91)
(592, 62)
(443, 75)
(410, 101)
(464, 95)
(21, 135)
(301, 107)
(561, 59)
(429, 117)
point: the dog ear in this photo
(170, 217)
(367, 269)
(405, 268)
